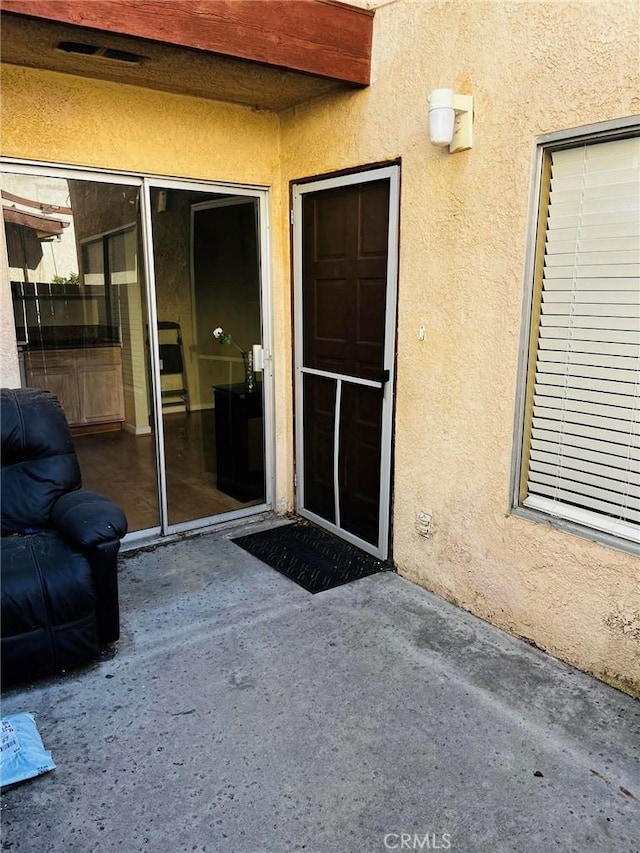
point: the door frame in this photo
(262, 197)
(144, 182)
(299, 190)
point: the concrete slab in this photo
(239, 713)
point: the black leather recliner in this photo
(59, 545)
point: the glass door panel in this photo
(80, 313)
(207, 280)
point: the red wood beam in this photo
(320, 37)
(30, 220)
(27, 202)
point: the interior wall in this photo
(532, 68)
(172, 242)
(226, 291)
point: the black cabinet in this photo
(240, 441)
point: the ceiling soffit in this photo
(256, 61)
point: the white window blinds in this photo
(584, 445)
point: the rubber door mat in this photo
(313, 558)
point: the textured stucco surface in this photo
(532, 68)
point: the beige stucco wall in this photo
(532, 68)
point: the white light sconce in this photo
(451, 119)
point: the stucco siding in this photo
(532, 68)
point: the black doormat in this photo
(312, 558)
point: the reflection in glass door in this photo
(208, 339)
(115, 312)
(80, 313)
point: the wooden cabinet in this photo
(87, 382)
(100, 385)
(55, 372)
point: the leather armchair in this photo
(59, 545)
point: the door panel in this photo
(344, 277)
(80, 311)
(208, 276)
(360, 448)
(345, 307)
(100, 381)
(320, 401)
(61, 382)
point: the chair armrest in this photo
(86, 519)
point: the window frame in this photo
(601, 132)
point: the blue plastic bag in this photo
(22, 753)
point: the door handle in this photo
(258, 357)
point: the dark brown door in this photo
(344, 294)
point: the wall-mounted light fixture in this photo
(451, 119)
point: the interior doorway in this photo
(118, 286)
(345, 266)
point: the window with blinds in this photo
(581, 455)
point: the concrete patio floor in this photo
(240, 713)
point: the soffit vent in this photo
(100, 52)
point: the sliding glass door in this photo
(80, 310)
(142, 306)
(208, 337)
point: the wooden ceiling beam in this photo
(41, 224)
(320, 37)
